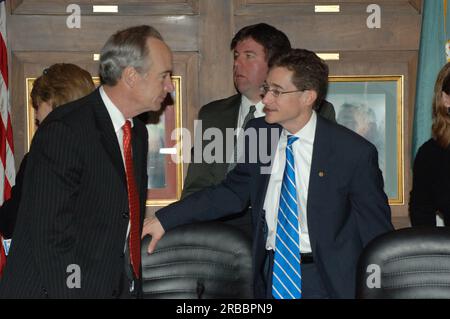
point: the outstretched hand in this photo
(152, 227)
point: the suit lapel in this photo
(264, 176)
(322, 159)
(231, 112)
(229, 118)
(320, 162)
(108, 137)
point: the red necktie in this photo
(133, 201)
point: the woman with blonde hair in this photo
(431, 172)
(59, 84)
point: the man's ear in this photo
(129, 76)
(309, 97)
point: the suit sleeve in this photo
(229, 197)
(53, 180)
(368, 199)
(421, 206)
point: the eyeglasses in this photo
(275, 92)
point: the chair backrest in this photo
(406, 264)
(199, 261)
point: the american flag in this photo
(7, 171)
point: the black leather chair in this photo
(199, 261)
(406, 264)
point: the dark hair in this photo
(274, 41)
(126, 48)
(441, 120)
(309, 71)
(61, 83)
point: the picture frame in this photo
(165, 176)
(372, 106)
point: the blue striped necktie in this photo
(287, 276)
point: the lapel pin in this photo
(321, 173)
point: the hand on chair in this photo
(152, 227)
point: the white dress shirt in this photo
(118, 121)
(303, 149)
(245, 107)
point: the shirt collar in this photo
(245, 107)
(116, 116)
(308, 132)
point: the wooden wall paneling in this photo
(344, 32)
(306, 7)
(215, 34)
(180, 32)
(18, 111)
(416, 4)
(128, 7)
(403, 220)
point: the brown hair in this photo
(309, 71)
(61, 83)
(441, 120)
(274, 41)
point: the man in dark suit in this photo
(319, 200)
(79, 224)
(253, 47)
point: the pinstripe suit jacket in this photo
(74, 208)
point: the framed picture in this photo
(165, 176)
(372, 106)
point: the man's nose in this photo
(169, 87)
(237, 61)
(267, 98)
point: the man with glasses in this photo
(316, 206)
(253, 47)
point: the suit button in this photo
(125, 215)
